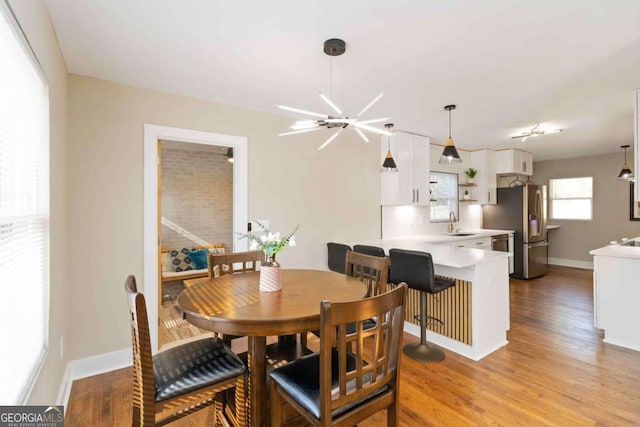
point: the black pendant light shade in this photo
(389, 165)
(449, 155)
(625, 173)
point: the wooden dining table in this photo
(232, 304)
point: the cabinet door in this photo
(485, 162)
(512, 162)
(410, 185)
(421, 172)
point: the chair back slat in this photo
(144, 411)
(376, 360)
(371, 270)
(220, 264)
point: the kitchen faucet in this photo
(452, 220)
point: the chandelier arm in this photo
(362, 135)
(331, 138)
(330, 103)
(300, 131)
(298, 110)
(369, 105)
(372, 129)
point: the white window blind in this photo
(24, 213)
(571, 198)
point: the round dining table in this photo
(233, 304)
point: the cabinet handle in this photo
(489, 196)
(413, 195)
(418, 195)
(524, 165)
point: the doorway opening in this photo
(153, 221)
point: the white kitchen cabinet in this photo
(514, 162)
(485, 162)
(410, 185)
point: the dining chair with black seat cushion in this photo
(336, 253)
(183, 379)
(341, 388)
(370, 270)
(415, 268)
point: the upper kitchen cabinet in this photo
(514, 162)
(410, 185)
(485, 162)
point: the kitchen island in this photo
(476, 310)
(616, 293)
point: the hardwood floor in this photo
(554, 371)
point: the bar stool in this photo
(369, 250)
(416, 270)
(336, 255)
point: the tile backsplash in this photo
(407, 221)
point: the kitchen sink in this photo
(460, 234)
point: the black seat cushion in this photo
(301, 380)
(192, 366)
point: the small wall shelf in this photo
(467, 185)
(468, 200)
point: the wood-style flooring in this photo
(555, 371)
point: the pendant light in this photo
(450, 155)
(389, 165)
(625, 173)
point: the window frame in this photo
(453, 204)
(552, 199)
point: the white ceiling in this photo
(507, 64)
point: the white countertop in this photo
(618, 251)
(445, 255)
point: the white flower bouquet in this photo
(270, 243)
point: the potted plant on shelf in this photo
(471, 174)
(466, 195)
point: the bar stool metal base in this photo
(423, 352)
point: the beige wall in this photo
(574, 239)
(34, 20)
(332, 194)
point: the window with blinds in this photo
(24, 213)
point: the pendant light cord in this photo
(449, 124)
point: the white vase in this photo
(270, 275)
(471, 181)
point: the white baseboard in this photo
(586, 265)
(90, 366)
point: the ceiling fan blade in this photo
(369, 105)
(299, 126)
(520, 136)
(372, 129)
(300, 131)
(331, 138)
(525, 138)
(331, 104)
(297, 110)
(362, 135)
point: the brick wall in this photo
(197, 196)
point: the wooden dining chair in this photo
(336, 387)
(369, 269)
(220, 264)
(183, 379)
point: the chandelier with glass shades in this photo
(340, 120)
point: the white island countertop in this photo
(476, 233)
(444, 255)
(619, 250)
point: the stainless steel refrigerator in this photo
(524, 210)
